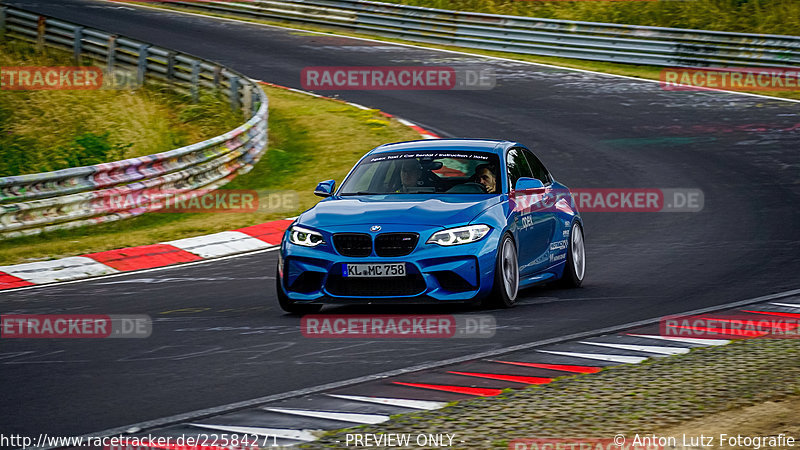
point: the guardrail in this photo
(674, 47)
(79, 196)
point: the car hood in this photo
(408, 209)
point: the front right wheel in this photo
(575, 265)
(289, 305)
(506, 275)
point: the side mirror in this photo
(525, 183)
(325, 188)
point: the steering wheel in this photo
(468, 188)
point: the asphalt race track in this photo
(219, 336)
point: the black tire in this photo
(574, 274)
(506, 275)
(290, 305)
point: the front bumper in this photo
(434, 274)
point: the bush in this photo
(89, 148)
(743, 16)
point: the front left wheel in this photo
(290, 305)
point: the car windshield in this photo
(425, 172)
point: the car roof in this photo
(486, 145)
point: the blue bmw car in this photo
(433, 221)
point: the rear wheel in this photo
(506, 275)
(575, 265)
(290, 305)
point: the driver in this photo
(410, 175)
(485, 175)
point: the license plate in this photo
(374, 270)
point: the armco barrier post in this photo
(3, 15)
(171, 66)
(112, 55)
(77, 44)
(195, 80)
(247, 98)
(41, 27)
(217, 76)
(234, 92)
(141, 68)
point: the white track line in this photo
(790, 305)
(341, 416)
(601, 357)
(699, 341)
(642, 348)
(405, 403)
(458, 52)
(280, 433)
(402, 121)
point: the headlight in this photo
(459, 235)
(306, 238)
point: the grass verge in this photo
(770, 418)
(41, 131)
(660, 395)
(310, 139)
(630, 70)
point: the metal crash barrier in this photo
(31, 204)
(633, 44)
